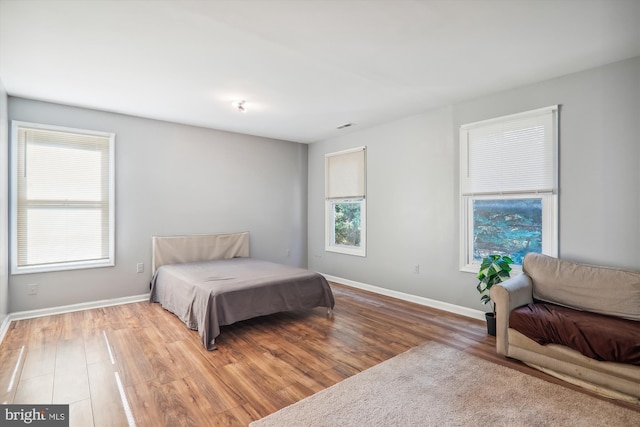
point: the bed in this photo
(209, 281)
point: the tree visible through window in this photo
(347, 224)
(345, 201)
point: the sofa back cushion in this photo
(601, 290)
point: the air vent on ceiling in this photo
(346, 125)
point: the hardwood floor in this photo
(137, 364)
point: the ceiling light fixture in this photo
(239, 105)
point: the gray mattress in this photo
(209, 294)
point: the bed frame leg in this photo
(329, 311)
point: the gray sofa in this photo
(608, 291)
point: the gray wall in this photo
(599, 194)
(413, 195)
(174, 179)
(411, 207)
(4, 204)
(177, 179)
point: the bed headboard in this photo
(197, 247)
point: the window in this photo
(345, 188)
(62, 198)
(508, 186)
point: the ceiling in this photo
(304, 67)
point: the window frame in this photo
(549, 197)
(352, 183)
(330, 241)
(109, 261)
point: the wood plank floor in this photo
(137, 364)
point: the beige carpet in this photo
(436, 385)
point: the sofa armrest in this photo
(507, 296)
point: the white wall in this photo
(177, 179)
(413, 195)
(4, 206)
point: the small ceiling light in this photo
(239, 105)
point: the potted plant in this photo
(494, 269)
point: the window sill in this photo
(347, 250)
(46, 268)
(474, 268)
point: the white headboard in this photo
(197, 247)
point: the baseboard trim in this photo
(452, 308)
(4, 327)
(32, 314)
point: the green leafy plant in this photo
(494, 269)
(347, 224)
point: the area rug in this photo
(436, 385)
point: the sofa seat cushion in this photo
(600, 337)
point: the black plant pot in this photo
(491, 323)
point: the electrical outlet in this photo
(416, 269)
(140, 267)
(32, 289)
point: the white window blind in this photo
(345, 174)
(512, 154)
(63, 198)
